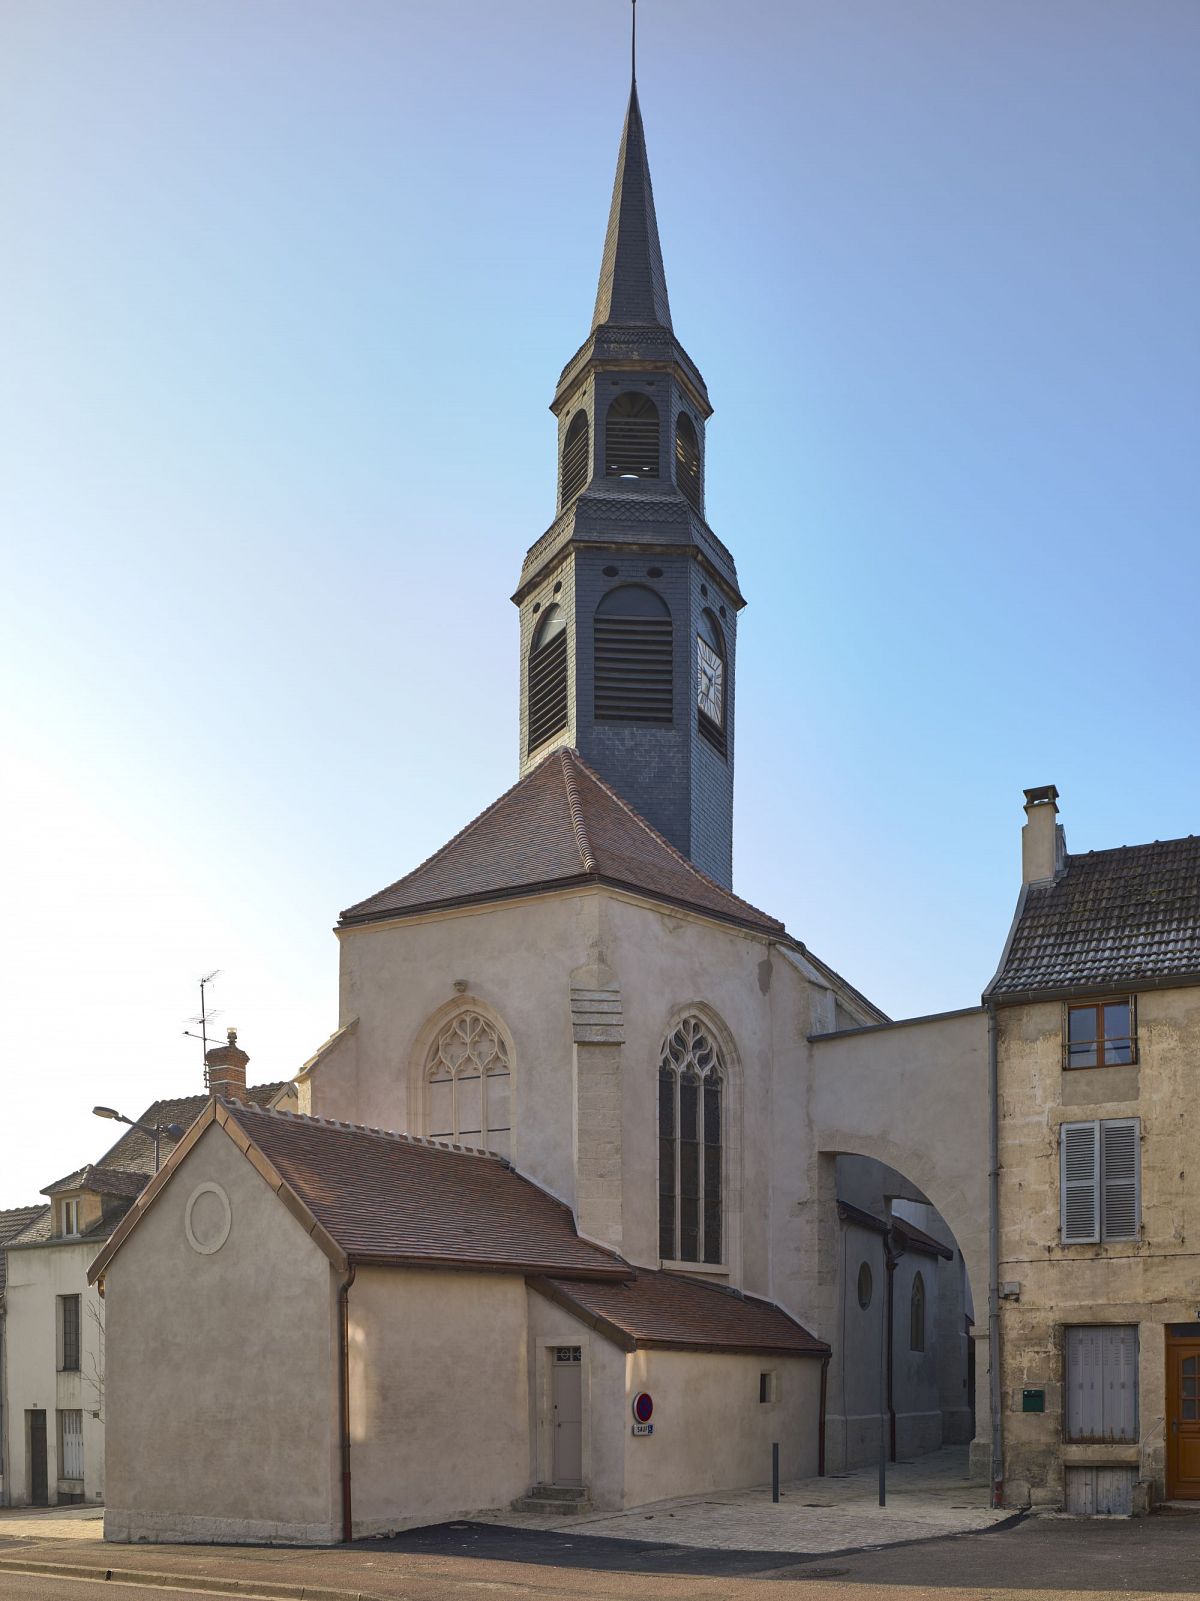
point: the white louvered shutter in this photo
(1079, 1187)
(1121, 1210)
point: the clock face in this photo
(710, 692)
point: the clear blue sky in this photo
(286, 289)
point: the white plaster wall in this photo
(439, 1395)
(222, 1377)
(36, 1277)
(605, 1411)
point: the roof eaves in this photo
(1107, 986)
(592, 1320)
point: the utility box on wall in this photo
(1033, 1400)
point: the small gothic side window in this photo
(866, 1285)
(574, 459)
(687, 459)
(710, 681)
(467, 1085)
(633, 643)
(916, 1315)
(690, 1083)
(547, 679)
(631, 438)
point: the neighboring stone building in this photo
(1097, 1002)
(570, 987)
(53, 1343)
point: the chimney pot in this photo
(1043, 845)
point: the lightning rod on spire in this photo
(633, 45)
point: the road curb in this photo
(183, 1581)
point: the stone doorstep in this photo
(555, 1501)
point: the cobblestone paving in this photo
(926, 1497)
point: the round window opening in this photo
(207, 1219)
(865, 1284)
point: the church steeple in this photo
(633, 285)
(629, 601)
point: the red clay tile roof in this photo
(671, 1311)
(560, 825)
(1125, 918)
(399, 1199)
(103, 1180)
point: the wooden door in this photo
(39, 1488)
(566, 1394)
(1183, 1420)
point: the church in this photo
(553, 1224)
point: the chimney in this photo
(1043, 845)
(225, 1069)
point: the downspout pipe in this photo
(994, 1385)
(344, 1401)
(821, 1417)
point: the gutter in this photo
(344, 1401)
(994, 1385)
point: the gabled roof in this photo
(1116, 919)
(560, 825)
(13, 1223)
(633, 284)
(103, 1180)
(368, 1196)
(673, 1312)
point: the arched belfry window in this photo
(467, 1085)
(631, 438)
(691, 1079)
(574, 458)
(687, 458)
(711, 681)
(916, 1315)
(547, 679)
(633, 642)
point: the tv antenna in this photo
(207, 1014)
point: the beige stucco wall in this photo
(1150, 1282)
(36, 1277)
(602, 1382)
(222, 1394)
(439, 1395)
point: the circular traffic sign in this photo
(643, 1407)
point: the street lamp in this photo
(893, 1250)
(155, 1132)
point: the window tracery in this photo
(691, 1077)
(468, 1080)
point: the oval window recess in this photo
(865, 1285)
(558, 586)
(704, 590)
(722, 611)
(207, 1219)
(537, 605)
(612, 572)
(653, 572)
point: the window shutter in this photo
(1079, 1187)
(1122, 1179)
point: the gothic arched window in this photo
(710, 680)
(916, 1316)
(574, 459)
(632, 643)
(690, 1081)
(687, 459)
(467, 1085)
(631, 438)
(547, 679)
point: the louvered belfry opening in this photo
(548, 679)
(633, 657)
(574, 458)
(631, 438)
(687, 459)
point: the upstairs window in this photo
(68, 1333)
(467, 1083)
(1101, 1034)
(690, 1083)
(575, 462)
(69, 1216)
(547, 679)
(710, 681)
(633, 642)
(687, 459)
(1100, 1186)
(631, 438)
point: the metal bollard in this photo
(775, 1473)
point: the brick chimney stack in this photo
(226, 1069)
(1043, 845)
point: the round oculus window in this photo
(207, 1219)
(865, 1285)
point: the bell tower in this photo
(629, 601)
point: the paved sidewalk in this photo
(52, 1523)
(926, 1497)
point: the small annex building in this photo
(426, 1311)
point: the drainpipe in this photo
(890, 1259)
(821, 1418)
(994, 1385)
(344, 1400)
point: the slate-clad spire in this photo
(633, 285)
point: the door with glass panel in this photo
(1183, 1419)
